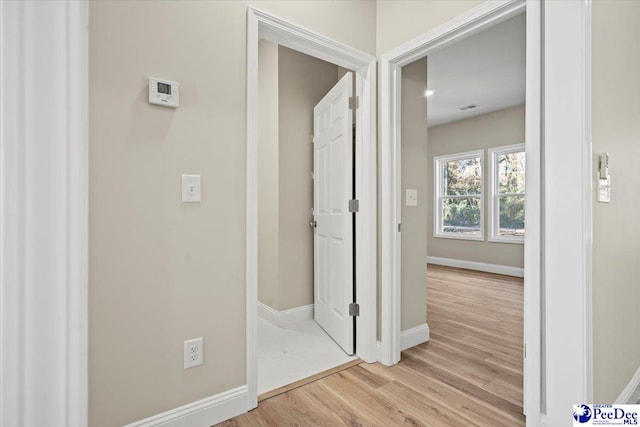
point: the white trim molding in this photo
(414, 336)
(543, 420)
(202, 413)
(478, 266)
(630, 388)
(285, 317)
(533, 279)
(263, 25)
(43, 213)
(567, 204)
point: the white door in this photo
(333, 236)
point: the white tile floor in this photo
(294, 352)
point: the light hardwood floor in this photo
(468, 374)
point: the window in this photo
(507, 188)
(458, 196)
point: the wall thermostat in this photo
(163, 92)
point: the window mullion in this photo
(510, 194)
(461, 196)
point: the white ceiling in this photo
(486, 69)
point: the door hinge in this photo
(398, 228)
(525, 351)
(354, 205)
(354, 102)
(354, 309)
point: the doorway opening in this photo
(360, 278)
(472, 215)
(463, 109)
(306, 141)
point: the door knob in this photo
(313, 223)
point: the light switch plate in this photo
(411, 197)
(191, 189)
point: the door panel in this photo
(333, 236)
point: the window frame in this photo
(438, 161)
(494, 194)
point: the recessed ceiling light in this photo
(429, 92)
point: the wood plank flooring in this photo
(305, 381)
(468, 374)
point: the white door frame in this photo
(567, 208)
(550, 237)
(262, 25)
(44, 91)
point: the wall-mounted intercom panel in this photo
(164, 92)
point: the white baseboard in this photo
(201, 413)
(267, 313)
(629, 389)
(408, 338)
(285, 317)
(543, 420)
(479, 266)
(414, 336)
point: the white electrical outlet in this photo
(193, 353)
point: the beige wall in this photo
(496, 129)
(616, 251)
(303, 82)
(414, 176)
(160, 271)
(399, 21)
(268, 159)
(352, 22)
